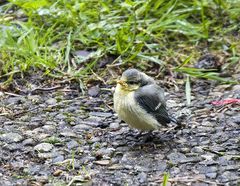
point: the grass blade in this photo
(188, 91)
(165, 178)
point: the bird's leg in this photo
(147, 136)
(141, 133)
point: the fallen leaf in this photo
(225, 102)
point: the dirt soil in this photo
(59, 136)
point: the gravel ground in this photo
(59, 137)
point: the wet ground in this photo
(59, 137)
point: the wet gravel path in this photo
(58, 139)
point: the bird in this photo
(139, 101)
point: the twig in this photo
(115, 60)
(46, 89)
(12, 94)
(4, 114)
(213, 151)
(98, 77)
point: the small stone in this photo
(206, 142)
(208, 156)
(58, 159)
(34, 98)
(16, 100)
(81, 127)
(11, 137)
(43, 147)
(13, 147)
(68, 134)
(57, 172)
(142, 177)
(102, 162)
(125, 159)
(208, 162)
(101, 114)
(5, 183)
(176, 157)
(51, 101)
(46, 155)
(185, 150)
(42, 179)
(191, 160)
(33, 169)
(236, 87)
(236, 119)
(104, 152)
(49, 128)
(211, 175)
(114, 125)
(94, 140)
(174, 171)
(72, 144)
(28, 141)
(94, 91)
(228, 176)
(60, 116)
(207, 169)
(115, 167)
(197, 150)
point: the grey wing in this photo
(151, 99)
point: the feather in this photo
(151, 99)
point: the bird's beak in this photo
(122, 83)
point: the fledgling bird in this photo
(140, 102)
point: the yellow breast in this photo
(130, 111)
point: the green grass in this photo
(43, 35)
(165, 178)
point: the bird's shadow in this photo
(150, 139)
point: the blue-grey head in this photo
(132, 79)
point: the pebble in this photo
(102, 162)
(228, 176)
(43, 147)
(58, 159)
(236, 119)
(72, 144)
(16, 100)
(94, 91)
(11, 137)
(49, 128)
(114, 125)
(57, 172)
(115, 167)
(142, 177)
(51, 101)
(211, 175)
(101, 114)
(68, 133)
(236, 87)
(176, 157)
(81, 127)
(197, 150)
(29, 142)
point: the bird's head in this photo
(133, 79)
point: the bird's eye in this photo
(132, 82)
